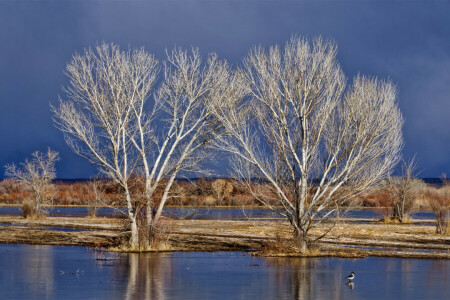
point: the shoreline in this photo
(346, 239)
(381, 208)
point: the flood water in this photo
(57, 272)
(207, 213)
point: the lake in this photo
(208, 213)
(57, 272)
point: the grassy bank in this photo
(344, 240)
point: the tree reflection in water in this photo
(41, 275)
(27, 271)
(309, 278)
(148, 275)
(50, 272)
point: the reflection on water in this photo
(146, 275)
(308, 278)
(375, 278)
(54, 272)
(207, 213)
(28, 271)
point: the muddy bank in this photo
(345, 239)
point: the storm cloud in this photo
(407, 42)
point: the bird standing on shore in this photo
(351, 276)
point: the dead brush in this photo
(282, 246)
(279, 244)
(29, 210)
(123, 240)
(122, 243)
(160, 237)
(439, 200)
(395, 220)
(152, 239)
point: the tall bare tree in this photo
(37, 175)
(315, 143)
(173, 139)
(404, 190)
(109, 119)
(98, 117)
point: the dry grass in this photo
(394, 220)
(29, 210)
(156, 239)
(281, 242)
(279, 245)
(346, 239)
(162, 246)
(447, 231)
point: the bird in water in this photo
(351, 276)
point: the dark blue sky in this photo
(406, 41)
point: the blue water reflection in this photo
(55, 272)
(207, 213)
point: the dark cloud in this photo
(406, 41)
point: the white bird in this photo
(351, 276)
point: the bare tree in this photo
(404, 190)
(98, 117)
(97, 185)
(301, 139)
(439, 200)
(173, 139)
(37, 175)
(222, 189)
(109, 120)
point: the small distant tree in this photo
(404, 190)
(97, 187)
(37, 175)
(222, 189)
(439, 200)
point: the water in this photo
(55, 228)
(207, 213)
(56, 272)
(68, 211)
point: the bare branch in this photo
(293, 124)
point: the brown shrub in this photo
(282, 245)
(378, 198)
(12, 191)
(30, 211)
(439, 200)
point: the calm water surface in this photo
(207, 213)
(56, 272)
